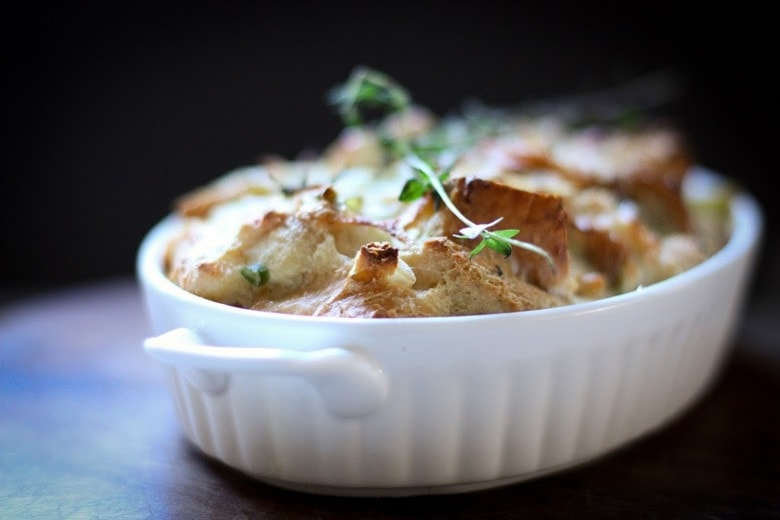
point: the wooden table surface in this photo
(87, 430)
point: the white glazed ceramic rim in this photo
(747, 231)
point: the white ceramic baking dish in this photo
(409, 406)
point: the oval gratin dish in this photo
(412, 406)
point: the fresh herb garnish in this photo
(369, 92)
(256, 274)
(499, 240)
(419, 186)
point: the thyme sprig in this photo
(368, 92)
(500, 241)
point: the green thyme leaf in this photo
(477, 250)
(505, 248)
(256, 274)
(413, 190)
(367, 95)
(496, 241)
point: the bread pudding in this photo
(415, 215)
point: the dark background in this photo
(111, 111)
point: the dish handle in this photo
(350, 384)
